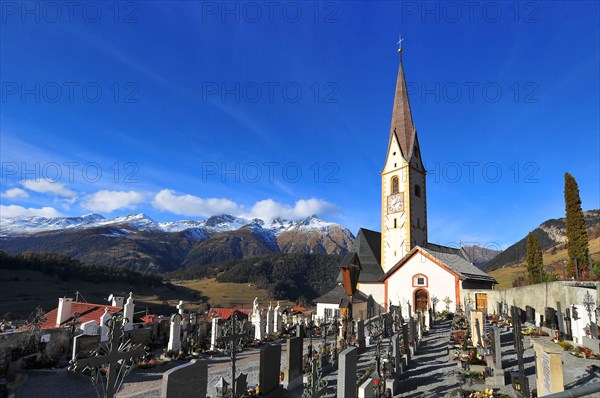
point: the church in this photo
(399, 264)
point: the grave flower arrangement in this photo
(582, 352)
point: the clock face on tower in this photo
(395, 203)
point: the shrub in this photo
(565, 345)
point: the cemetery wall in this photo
(58, 342)
(544, 295)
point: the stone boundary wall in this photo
(544, 295)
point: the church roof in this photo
(402, 124)
(367, 246)
(459, 261)
(456, 260)
(337, 295)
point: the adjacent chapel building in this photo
(398, 264)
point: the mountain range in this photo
(138, 242)
(550, 233)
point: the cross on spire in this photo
(400, 40)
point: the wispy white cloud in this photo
(20, 211)
(108, 201)
(15, 193)
(190, 205)
(269, 208)
(48, 186)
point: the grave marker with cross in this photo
(233, 333)
(119, 354)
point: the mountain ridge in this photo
(140, 243)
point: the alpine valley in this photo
(140, 243)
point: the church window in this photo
(395, 223)
(418, 222)
(419, 280)
(395, 186)
(418, 191)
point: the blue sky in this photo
(188, 109)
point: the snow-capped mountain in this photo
(137, 241)
(222, 223)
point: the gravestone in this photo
(277, 321)
(549, 367)
(530, 314)
(568, 328)
(397, 353)
(104, 329)
(84, 344)
(187, 380)
(412, 327)
(551, 318)
(518, 343)
(128, 311)
(269, 370)
(215, 333)
(365, 390)
(405, 339)
(181, 309)
(292, 372)
(476, 323)
(561, 318)
(89, 327)
(241, 384)
(258, 320)
(360, 332)
(346, 380)
(175, 333)
(270, 322)
(497, 347)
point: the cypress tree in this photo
(577, 239)
(534, 258)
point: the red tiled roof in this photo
(225, 313)
(87, 312)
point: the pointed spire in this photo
(402, 124)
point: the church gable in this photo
(367, 246)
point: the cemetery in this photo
(262, 351)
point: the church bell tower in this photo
(403, 189)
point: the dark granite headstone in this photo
(530, 314)
(568, 328)
(405, 339)
(497, 347)
(346, 380)
(268, 377)
(85, 343)
(551, 318)
(241, 384)
(360, 332)
(188, 380)
(293, 369)
(561, 318)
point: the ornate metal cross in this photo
(233, 335)
(119, 354)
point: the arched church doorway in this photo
(421, 300)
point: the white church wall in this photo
(440, 283)
(377, 290)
